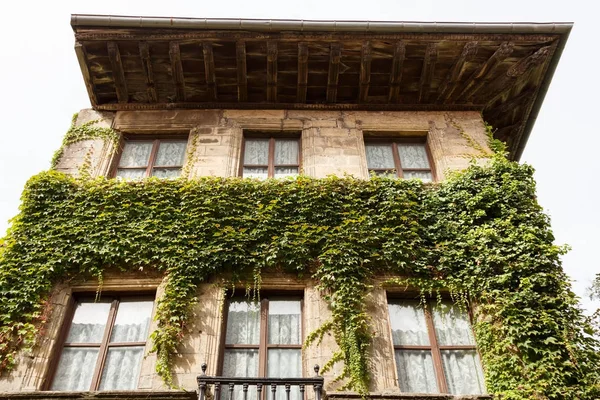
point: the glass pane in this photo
(463, 372)
(240, 363)
(256, 152)
(452, 325)
(386, 174)
(132, 321)
(135, 154)
(380, 156)
(413, 156)
(89, 322)
(75, 369)
(425, 176)
(243, 323)
(408, 323)
(284, 322)
(282, 172)
(131, 173)
(122, 368)
(285, 363)
(415, 371)
(286, 152)
(167, 173)
(256, 172)
(170, 153)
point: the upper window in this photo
(162, 158)
(399, 158)
(434, 348)
(268, 157)
(104, 345)
(264, 339)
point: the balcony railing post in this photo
(230, 391)
(317, 386)
(273, 391)
(202, 384)
(301, 391)
(245, 390)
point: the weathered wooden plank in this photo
(272, 71)
(242, 77)
(452, 81)
(302, 72)
(335, 55)
(85, 71)
(396, 72)
(427, 72)
(209, 70)
(148, 72)
(510, 105)
(365, 71)
(177, 71)
(117, 71)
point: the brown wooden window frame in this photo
(394, 142)
(434, 347)
(272, 137)
(104, 345)
(263, 346)
(155, 139)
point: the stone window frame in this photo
(272, 136)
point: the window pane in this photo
(122, 368)
(89, 322)
(135, 154)
(408, 323)
(463, 372)
(413, 156)
(256, 172)
(282, 172)
(284, 322)
(415, 371)
(422, 175)
(240, 363)
(243, 323)
(131, 173)
(170, 153)
(167, 173)
(132, 321)
(380, 156)
(286, 152)
(285, 363)
(452, 325)
(75, 369)
(256, 152)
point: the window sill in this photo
(404, 396)
(108, 395)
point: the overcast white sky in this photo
(41, 87)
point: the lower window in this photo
(434, 348)
(104, 345)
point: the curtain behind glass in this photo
(122, 368)
(463, 372)
(284, 322)
(415, 371)
(132, 321)
(243, 323)
(89, 322)
(135, 154)
(75, 369)
(408, 323)
(256, 152)
(379, 156)
(285, 363)
(286, 152)
(240, 363)
(413, 155)
(422, 175)
(452, 327)
(170, 153)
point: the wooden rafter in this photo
(510, 105)
(396, 73)
(209, 70)
(302, 72)
(242, 77)
(177, 71)
(452, 81)
(118, 73)
(427, 72)
(335, 56)
(148, 72)
(272, 71)
(365, 71)
(480, 76)
(87, 77)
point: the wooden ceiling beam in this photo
(117, 71)
(177, 71)
(510, 105)
(335, 55)
(272, 71)
(396, 73)
(209, 70)
(85, 70)
(302, 72)
(148, 71)
(365, 71)
(479, 77)
(427, 72)
(242, 76)
(453, 79)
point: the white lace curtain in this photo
(256, 158)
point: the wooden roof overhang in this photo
(502, 70)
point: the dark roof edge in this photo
(277, 25)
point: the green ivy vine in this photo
(481, 234)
